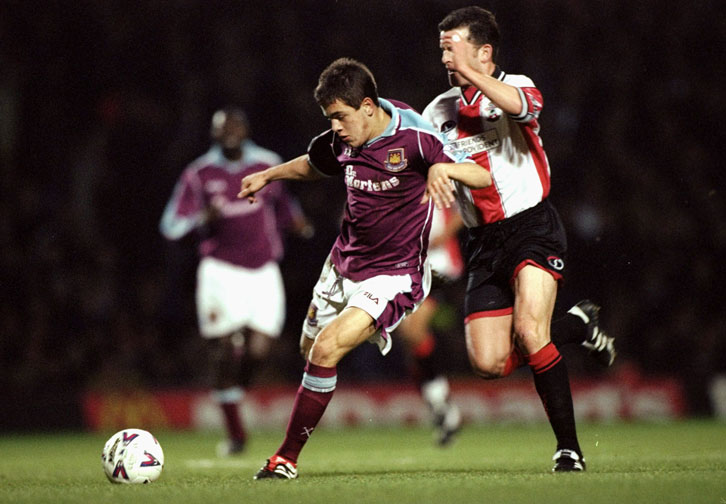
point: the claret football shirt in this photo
(385, 228)
(237, 232)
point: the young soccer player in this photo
(393, 164)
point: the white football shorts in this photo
(231, 297)
(386, 298)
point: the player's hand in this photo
(252, 184)
(439, 186)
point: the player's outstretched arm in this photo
(439, 184)
(295, 169)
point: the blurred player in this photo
(446, 266)
(240, 294)
(515, 239)
(392, 163)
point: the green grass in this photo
(682, 462)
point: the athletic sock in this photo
(423, 368)
(312, 398)
(233, 422)
(567, 330)
(229, 402)
(553, 386)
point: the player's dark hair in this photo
(483, 28)
(347, 80)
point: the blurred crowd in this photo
(103, 103)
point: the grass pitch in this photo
(682, 462)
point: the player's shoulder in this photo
(444, 101)
(211, 158)
(410, 118)
(256, 154)
(517, 80)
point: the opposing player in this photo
(392, 162)
(515, 239)
(240, 294)
(415, 330)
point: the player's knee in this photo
(325, 352)
(488, 367)
(530, 334)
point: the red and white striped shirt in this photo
(509, 147)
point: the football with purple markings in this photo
(132, 456)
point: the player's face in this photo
(451, 57)
(351, 125)
(228, 130)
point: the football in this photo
(132, 456)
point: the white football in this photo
(132, 456)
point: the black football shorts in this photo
(496, 252)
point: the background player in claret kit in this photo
(447, 265)
(392, 162)
(240, 293)
(515, 239)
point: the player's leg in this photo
(319, 381)
(415, 331)
(225, 356)
(489, 344)
(243, 308)
(420, 343)
(535, 291)
(222, 325)
(348, 330)
(342, 315)
(256, 351)
(235, 362)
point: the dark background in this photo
(102, 104)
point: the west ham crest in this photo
(396, 160)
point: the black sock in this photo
(424, 364)
(553, 387)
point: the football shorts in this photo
(386, 298)
(231, 297)
(496, 252)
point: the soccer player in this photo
(515, 239)
(415, 330)
(393, 164)
(240, 295)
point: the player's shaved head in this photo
(229, 129)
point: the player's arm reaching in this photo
(320, 161)
(295, 169)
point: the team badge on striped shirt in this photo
(396, 160)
